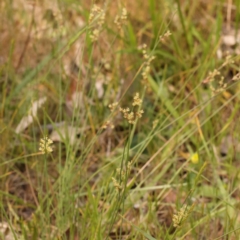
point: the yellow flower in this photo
(195, 158)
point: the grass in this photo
(172, 173)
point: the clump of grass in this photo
(126, 172)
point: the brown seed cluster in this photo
(121, 19)
(122, 175)
(216, 80)
(132, 116)
(166, 35)
(146, 65)
(137, 101)
(221, 86)
(108, 124)
(45, 145)
(97, 18)
(116, 184)
(211, 79)
(148, 58)
(113, 106)
(180, 216)
(227, 61)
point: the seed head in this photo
(97, 14)
(120, 20)
(113, 106)
(108, 124)
(136, 100)
(182, 215)
(163, 37)
(116, 184)
(45, 145)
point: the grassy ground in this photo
(142, 111)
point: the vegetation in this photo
(119, 119)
